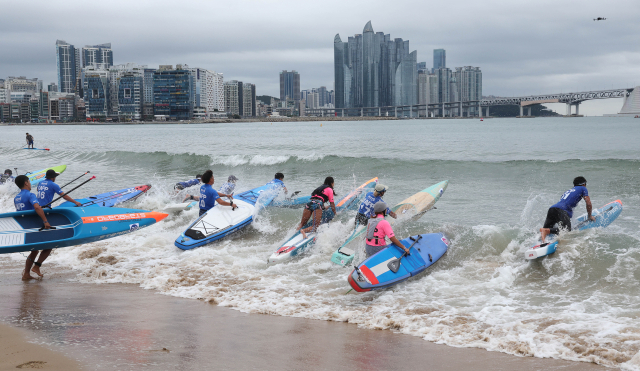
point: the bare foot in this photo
(26, 276)
(36, 270)
(304, 235)
(543, 234)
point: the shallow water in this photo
(583, 303)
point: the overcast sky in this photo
(522, 47)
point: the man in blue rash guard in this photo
(47, 189)
(189, 183)
(365, 211)
(208, 196)
(25, 200)
(229, 186)
(278, 181)
(561, 212)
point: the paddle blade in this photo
(394, 265)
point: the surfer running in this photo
(229, 186)
(7, 176)
(47, 189)
(25, 200)
(365, 211)
(209, 196)
(29, 140)
(377, 229)
(189, 183)
(561, 212)
(315, 206)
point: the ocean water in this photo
(582, 304)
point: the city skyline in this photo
(521, 50)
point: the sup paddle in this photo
(394, 265)
(293, 195)
(79, 185)
(76, 179)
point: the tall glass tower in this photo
(439, 59)
(289, 85)
(68, 66)
(97, 54)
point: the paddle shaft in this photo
(394, 265)
(76, 179)
(78, 186)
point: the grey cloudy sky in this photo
(522, 47)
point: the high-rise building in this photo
(68, 66)
(53, 87)
(234, 97)
(208, 94)
(444, 84)
(249, 99)
(421, 66)
(97, 54)
(469, 83)
(21, 83)
(427, 87)
(171, 92)
(439, 59)
(96, 92)
(323, 96)
(289, 85)
(371, 70)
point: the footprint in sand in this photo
(32, 364)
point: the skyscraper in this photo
(439, 59)
(289, 85)
(371, 70)
(68, 66)
(97, 54)
(233, 97)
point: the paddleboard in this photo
(604, 216)
(374, 272)
(410, 209)
(292, 203)
(181, 206)
(22, 230)
(110, 199)
(39, 149)
(221, 221)
(296, 244)
(37, 176)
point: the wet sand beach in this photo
(123, 327)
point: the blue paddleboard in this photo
(374, 272)
(110, 199)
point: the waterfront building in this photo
(289, 85)
(427, 87)
(21, 96)
(171, 92)
(130, 95)
(439, 59)
(97, 54)
(469, 85)
(53, 87)
(234, 97)
(4, 95)
(249, 99)
(62, 106)
(371, 70)
(22, 84)
(444, 84)
(44, 105)
(208, 95)
(68, 67)
(96, 92)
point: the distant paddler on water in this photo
(29, 141)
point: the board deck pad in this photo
(604, 217)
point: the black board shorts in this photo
(559, 217)
(361, 219)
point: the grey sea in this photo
(581, 304)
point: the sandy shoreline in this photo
(121, 326)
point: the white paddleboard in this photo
(296, 245)
(222, 217)
(181, 206)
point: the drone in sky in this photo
(600, 19)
